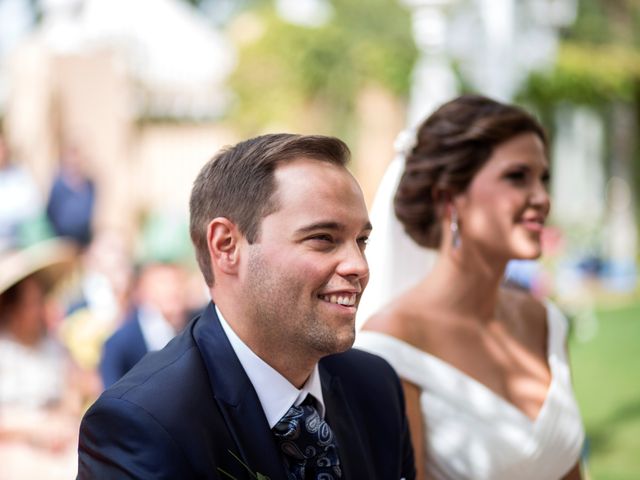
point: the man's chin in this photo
(336, 345)
(344, 342)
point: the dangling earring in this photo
(455, 228)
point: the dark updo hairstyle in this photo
(452, 145)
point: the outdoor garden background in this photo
(152, 88)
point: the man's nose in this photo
(353, 264)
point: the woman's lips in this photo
(533, 224)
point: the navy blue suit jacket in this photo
(190, 411)
(122, 350)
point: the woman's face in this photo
(503, 210)
(28, 314)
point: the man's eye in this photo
(363, 241)
(322, 238)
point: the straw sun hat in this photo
(51, 260)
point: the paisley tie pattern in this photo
(308, 444)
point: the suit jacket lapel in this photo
(237, 399)
(349, 433)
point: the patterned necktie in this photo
(308, 444)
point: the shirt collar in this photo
(276, 394)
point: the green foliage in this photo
(599, 58)
(587, 74)
(592, 24)
(314, 74)
(605, 373)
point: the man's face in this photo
(164, 287)
(307, 270)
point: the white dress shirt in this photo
(156, 330)
(276, 394)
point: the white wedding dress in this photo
(471, 432)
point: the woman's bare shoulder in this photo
(405, 318)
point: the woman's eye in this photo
(518, 176)
(546, 179)
(362, 241)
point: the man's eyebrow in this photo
(320, 226)
(327, 226)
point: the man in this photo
(159, 314)
(279, 227)
(71, 203)
(20, 202)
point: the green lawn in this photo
(606, 372)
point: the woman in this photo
(41, 391)
(484, 368)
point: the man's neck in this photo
(295, 366)
(275, 392)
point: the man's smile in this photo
(346, 299)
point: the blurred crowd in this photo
(78, 308)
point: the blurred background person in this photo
(20, 199)
(42, 392)
(158, 313)
(485, 368)
(72, 198)
(100, 299)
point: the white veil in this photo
(396, 262)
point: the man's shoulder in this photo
(176, 368)
(168, 403)
(353, 358)
(360, 368)
(357, 377)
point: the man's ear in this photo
(223, 238)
